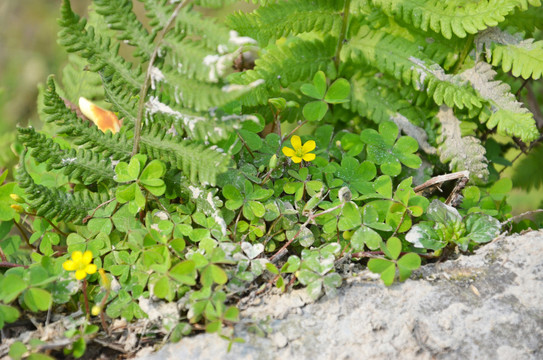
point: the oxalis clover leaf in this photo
(385, 149)
(337, 93)
(139, 176)
(387, 267)
(316, 270)
(249, 201)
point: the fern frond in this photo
(295, 60)
(205, 29)
(526, 21)
(198, 95)
(77, 82)
(403, 60)
(207, 127)
(284, 18)
(55, 111)
(213, 3)
(506, 112)
(98, 51)
(53, 203)
(82, 164)
(119, 15)
(458, 17)
(158, 12)
(521, 57)
(198, 162)
(462, 153)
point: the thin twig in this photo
(246, 146)
(525, 152)
(280, 253)
(441, 179)
(88, 217)
(341, 39)
(522, 216)
(143, 91)
(7, 264)
(294, 130)
(23, 233)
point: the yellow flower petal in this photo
(91, 269)
(288, 151)
(80, 274)
(77, 256)
(309, 157)
(87, 257)
(309, 146)
(68, 265)
(296, 159)
(296, 142)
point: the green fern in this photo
(54, 203)
(453, 17)
(75, 37)
(83, 165)
(462, 153)
(510, 117)
(119, 15)
(199, 163)
(293, 17)
(522, 57)
(295, 60)
(404, 61)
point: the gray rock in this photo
(485, 306)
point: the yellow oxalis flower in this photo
(81, 264)
(300, 152)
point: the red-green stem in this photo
(86, 298)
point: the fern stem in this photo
(143, 91)
(464, 53)
(341, 38)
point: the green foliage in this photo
(208, 206)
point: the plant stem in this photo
(23, 233)
(464, 53)
(6, 264)
(86, 298)
(341, 38)
(294, 130)
(143, 91)
(280, 253)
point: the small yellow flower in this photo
(81, 264)
(300, 152)
(96, 310)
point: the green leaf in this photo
(154, 170)
(410, 261)
(383, 186)
(253, 141)
(11, 286)
(394, 245)
(162, 288)
(305, 236)
(126, 193)
(37, 299)
(482, 228)
(350, 217)
(231, 314)
(315, 110)
(17, 350)
(257, 209)
(231, 192)
(424, 236)
(338, 92)
(218, 274)
(365, 236)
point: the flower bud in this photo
(17, 198)
(273, 162)
(18, 208)
(96, 310)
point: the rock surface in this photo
(485, 306)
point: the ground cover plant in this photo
(217, 160)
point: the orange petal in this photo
(296, 142)
(288, 151)
(309, 157)
(87, 257)
(105, 120)
(308, 146)
(68, 265)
